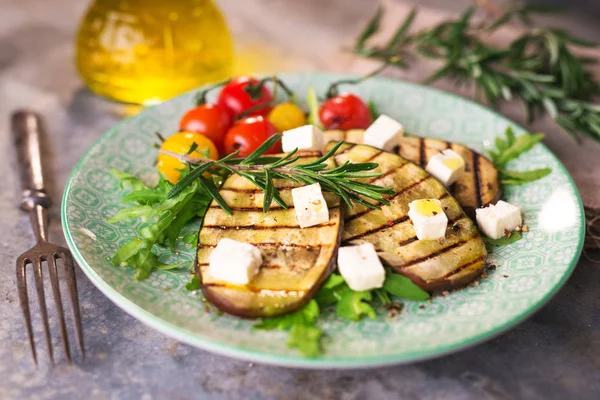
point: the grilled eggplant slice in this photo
(296, 261)
(477, 187)
(432, 264)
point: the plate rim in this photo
(298, 361)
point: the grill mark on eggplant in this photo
(379, 228)
(274, 206)
(461, 267)
(274, 244)
(263, 228)
(422, 156)
(257, 190)
(409, 187)
(386, 174)
(438, 252)
(256, 290)
(374, 156)
(350, 147)
(405, 241)
(477, 179)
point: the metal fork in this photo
(27, 132)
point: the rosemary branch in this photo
(262, 170)
(537, 68)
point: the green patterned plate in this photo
(530, 271)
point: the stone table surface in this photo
(553, 355)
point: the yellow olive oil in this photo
(146, 51)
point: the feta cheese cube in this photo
(428, 219)
(309, 203)
(360, 267)
(446, 167)
(234, 262)
(384, 133)
(494, 221)
(307, 137)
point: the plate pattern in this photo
(529, 271)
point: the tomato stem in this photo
(200, 97)
(333, 91)
(255, 108)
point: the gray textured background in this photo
(554, 355)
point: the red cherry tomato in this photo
(234, 98)
(247, 134)
(345, 111)
(211, 120)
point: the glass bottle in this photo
(146, 51)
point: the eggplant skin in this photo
(296, 261)
(479, 186)
(444, 264)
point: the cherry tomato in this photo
(286, 116)
(247, 134)
(345, 111)
(234, 98)
(181, 143)
(211, 120)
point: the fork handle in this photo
(27, 133)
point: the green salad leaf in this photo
(162, 218)
(522, 177)
(313, 108)
(353, 305)
(510, 148)
(304, 335)
(401, 286)
(193, 284)
(373, 110)
(503, 241)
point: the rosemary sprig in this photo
(262, 170)
(537, 68)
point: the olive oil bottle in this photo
(146, 51)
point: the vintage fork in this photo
(27, 131)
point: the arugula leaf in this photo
(331, 291)
(383, 297)
(353, 305)
(522, 177)
(373, 110)
(510, 148)
(313, 108)
(163, 219)
(307, 339)
(401, 286)
(191, 239)
(127, 179)
(503, 241)
(193, 284)
(303, 334)
(127, 251)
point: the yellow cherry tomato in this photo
(286, 116)
(181, 143)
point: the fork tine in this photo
(37, 268)
(59, 305)
(22, 288)
(72, 285)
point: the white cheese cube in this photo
(428, 219)
(360, 267)
(384, 133)
(234, 262)
(446, 167)
(307, 137)
(309, 203)
(494, 221)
